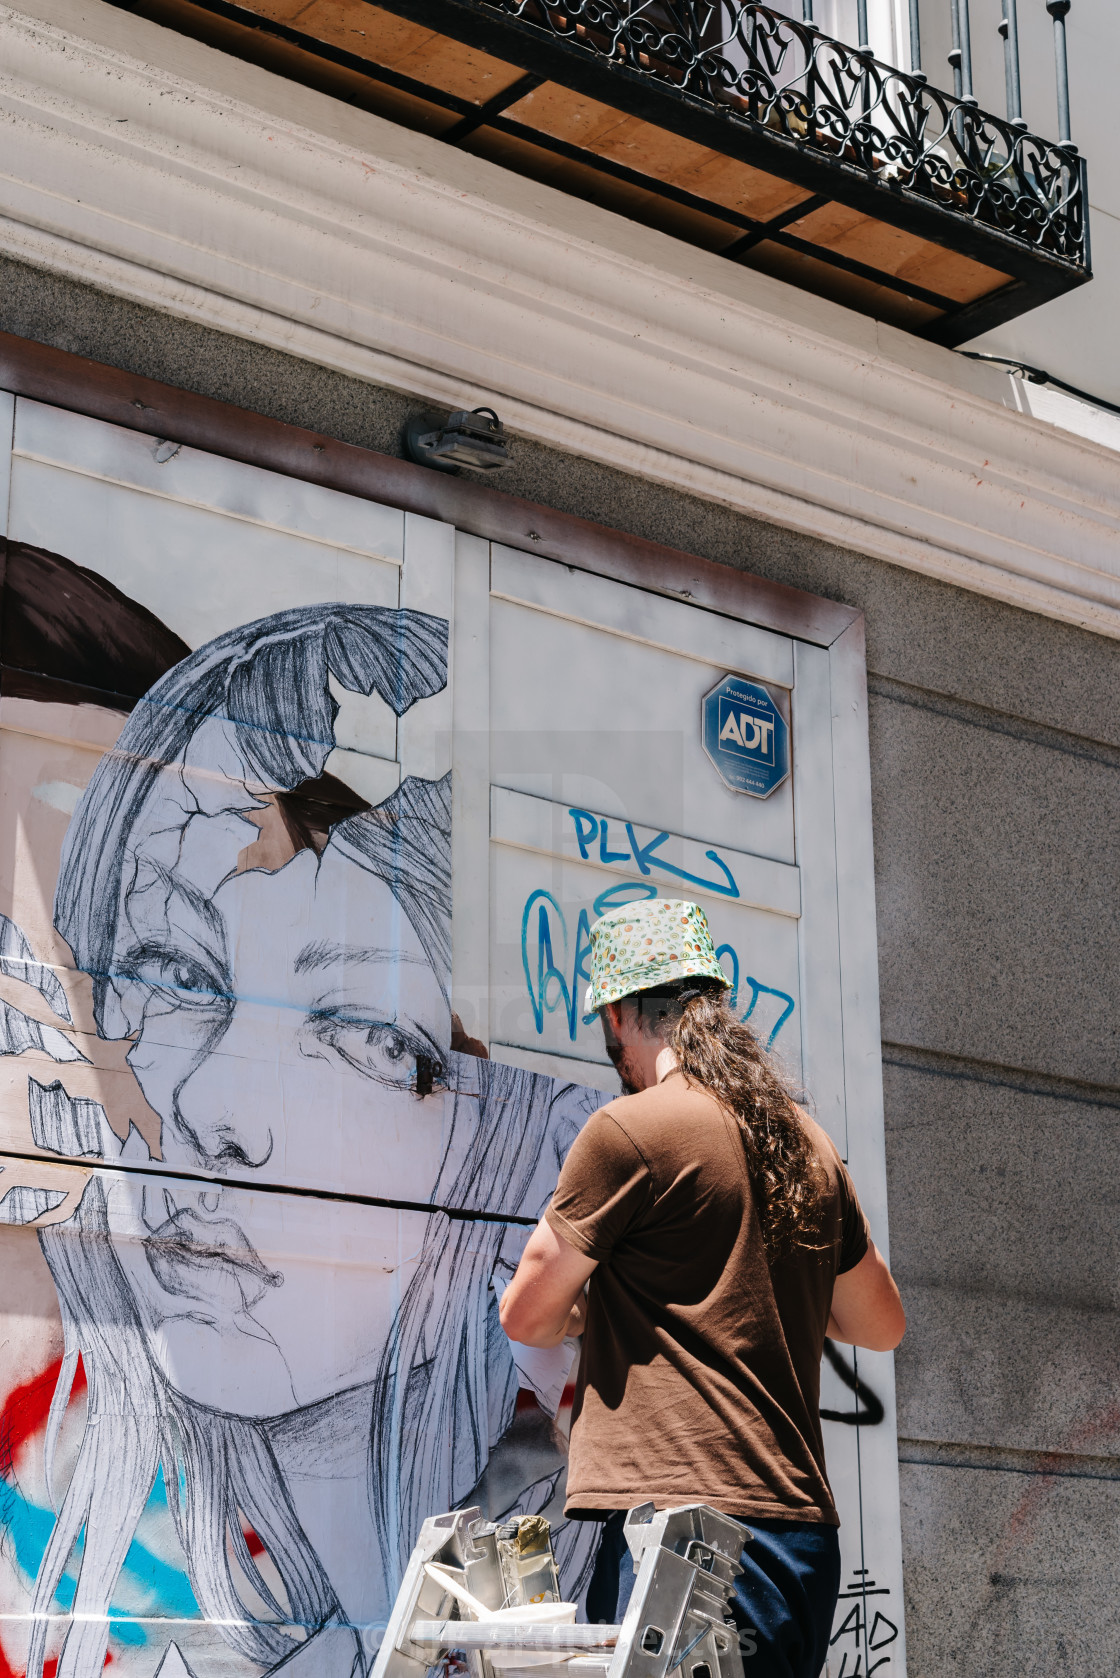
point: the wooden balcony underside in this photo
(751, 198)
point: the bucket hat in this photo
(645, 944)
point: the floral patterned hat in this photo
(647, 944)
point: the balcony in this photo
(729, 124)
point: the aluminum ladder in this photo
(468, 1578)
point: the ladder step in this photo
(510, 1634)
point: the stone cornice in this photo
(158, 169)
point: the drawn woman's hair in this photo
(269, 683)
(446, 1387)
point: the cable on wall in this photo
(1039, 376)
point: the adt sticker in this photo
(746, 736)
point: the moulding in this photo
(216, 192)
(89, 387)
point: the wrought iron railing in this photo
(782, 75)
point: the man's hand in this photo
(544, 1303)
(866, 1308)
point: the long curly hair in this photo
(722, 1054)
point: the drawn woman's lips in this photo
(200, 1257)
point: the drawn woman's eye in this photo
(193, 983)
(378, 1049)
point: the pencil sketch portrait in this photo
(275, 950)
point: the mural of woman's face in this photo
(277, 1014)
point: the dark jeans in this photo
(784, 1600)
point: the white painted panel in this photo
(862, 1458)
(822, 1018)
(588, 717)
(870, 1544)
(470, 824)
(328, 1278)
(238, 1310)
(364, 725)
(855, 900)
(594, 727)
(636, 853)
(373, 777)
(246, 493)
(309, 1074)
(200, 571)
(428, 585)
(641, 615)
(541, 908)
(590, 1074)
(287, 999)
(7, 422)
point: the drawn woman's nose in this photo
(226, 1107)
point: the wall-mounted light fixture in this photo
(476, 439)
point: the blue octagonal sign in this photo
(746, 736)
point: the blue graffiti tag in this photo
(152, 1582)
(589, 827)
(615, 896)
(561, 996)
(550, 991)
(757, 989)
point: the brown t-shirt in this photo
(699, 1378)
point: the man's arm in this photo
(544, 1302)
(866, 1308)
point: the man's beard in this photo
(628, 1073)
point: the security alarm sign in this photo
(746, 736)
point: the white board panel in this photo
(585, 716)
(635, 852)
(541, 909)
(632, 710)
(200, 571)
(246, 494)
(870, 1617)
(862, 1458)
(276, 1339)
(470, 788)
(593, 1075)
(428, 585)
(219, 982)
(640, 615)
(256, 993)
(7, 423)
(821, 996)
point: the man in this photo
(721, 1239)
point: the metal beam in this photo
(915, 39)
(1058, 10)
(1009, 29)
(500, 102)
(961, 55)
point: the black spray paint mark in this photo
(872, 1413)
